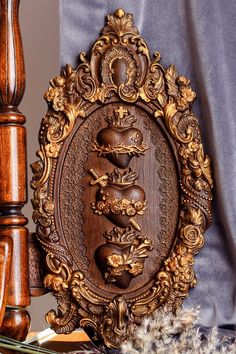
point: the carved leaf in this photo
(194, 216)
(171, 76)
(158, 113)
(70, 96)
(120, 25)
(170, 110)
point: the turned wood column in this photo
(13, 168)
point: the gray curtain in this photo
(199, 37)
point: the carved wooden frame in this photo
(169, 99)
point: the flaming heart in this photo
(120, 200)
(109, 259)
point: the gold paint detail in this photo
(120, 207)
(131, 261)
(120, 13)
(170, 98)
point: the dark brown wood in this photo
(158, 224)
(13, 168)
(16, 323)
(122, 188)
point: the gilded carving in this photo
(169, 97)
(114, 323)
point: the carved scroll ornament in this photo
(120, 68)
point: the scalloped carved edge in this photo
(68, 98)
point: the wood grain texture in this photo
(16, 323)
(13, 168)
(12, 72)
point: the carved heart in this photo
(119, 205)
(128, 138)
(123, 279)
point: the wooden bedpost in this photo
(13, 193)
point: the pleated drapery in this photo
(199, 37)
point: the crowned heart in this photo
(119, 145)
(120, 204)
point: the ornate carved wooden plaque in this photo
(122, 188)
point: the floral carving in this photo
(120, 25)
(120, 207)
(129, 262)
(169, 98)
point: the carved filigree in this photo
(120, 49)
(120, 207)
(129, 262)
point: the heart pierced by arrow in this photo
(102, 182)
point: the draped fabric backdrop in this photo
(199, 37)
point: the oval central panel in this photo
(117, 209)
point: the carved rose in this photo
(59, 101)
(119, 206)
(186, 260)
(52, 150)
(171, 264)
(182, 81)
(59, 81)
(100, 206)
(56, 96)
(50, 94)
(125, 203)
(138, 205)
(106, 209)
(130, 211)
(115, 260)
(188, 94)
(182, 104)
(49, 207)
(185, 95)
(136, 268)
(116, 207)
(192, 237)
